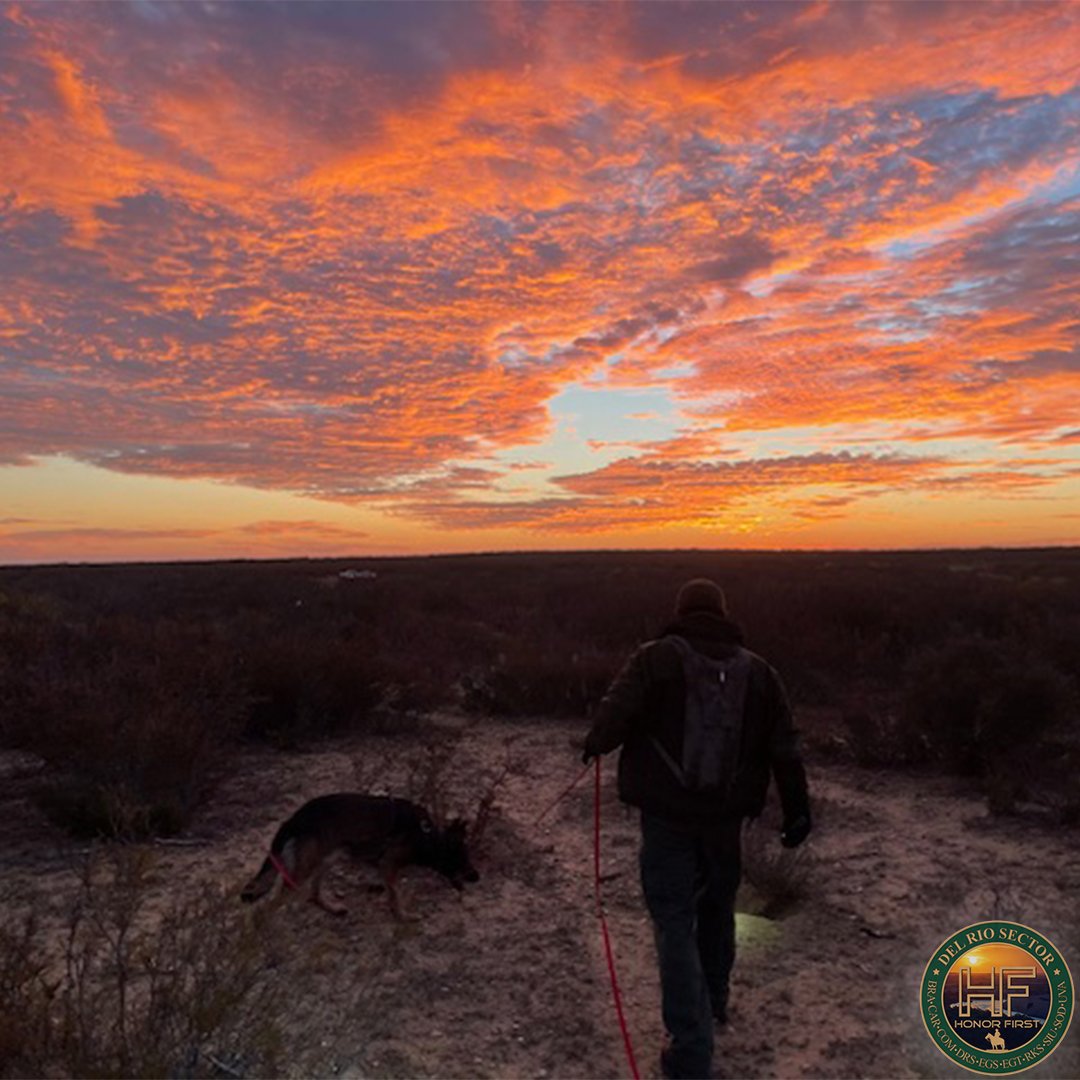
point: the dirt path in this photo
(509, 980)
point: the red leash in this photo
(279, 866)
(616, 994)
(604, 928)
(562, 795)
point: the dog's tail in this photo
(268, 873)
(260, 884)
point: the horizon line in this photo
(542, 552)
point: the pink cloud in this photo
(339, 251)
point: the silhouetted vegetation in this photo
(992, 708)
(115, 989)
(132, 682)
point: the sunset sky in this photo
(310, 279)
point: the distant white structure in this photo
(358, 575)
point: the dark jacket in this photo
(647, 701)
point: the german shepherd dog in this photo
(385, 832)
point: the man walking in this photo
(702, 723)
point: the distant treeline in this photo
(132, 681)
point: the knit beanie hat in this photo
(701, 594)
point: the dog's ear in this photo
(457, 827)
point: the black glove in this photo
(589, 752)
(795, 831)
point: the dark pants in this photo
(689, 874)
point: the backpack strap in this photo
(668, 760)
(681, 644)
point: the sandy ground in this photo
(509, 979)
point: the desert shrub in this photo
(29, 624)
(1033, 703)
(946, 690)
(126, 991)
(26, 992)
(425, 653)
(419, 673)
(1054, 784)
(302, 687)
(878, 737)
(778, 877)
(975, 701)
(131, 721)
(537, 679)
(437, 778)
(370, 670)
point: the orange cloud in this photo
(339, 251)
